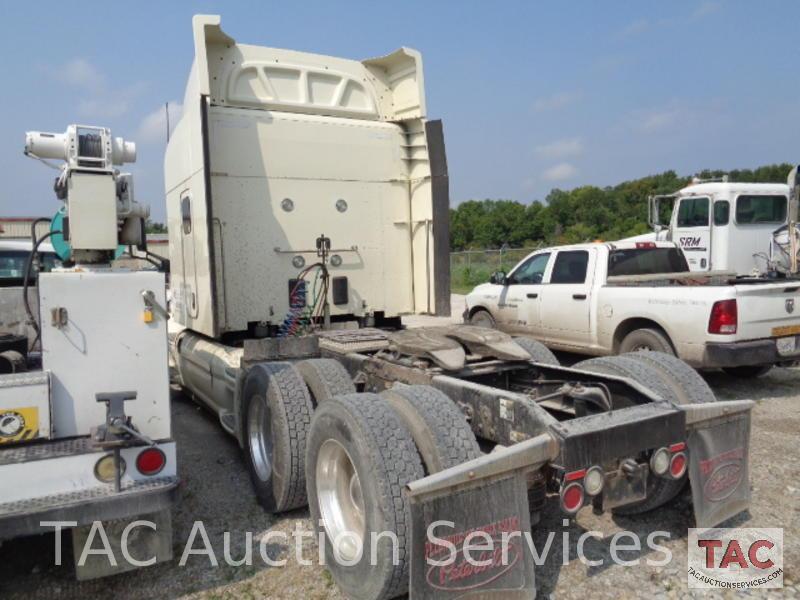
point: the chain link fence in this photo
(471, 267)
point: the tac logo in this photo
(739, 559)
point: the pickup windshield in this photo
(646, 261)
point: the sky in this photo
(533, 95)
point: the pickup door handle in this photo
(579, 296)
(532, 295)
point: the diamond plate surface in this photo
(20, 379)
(45, 450)
(32, 505)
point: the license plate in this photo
(786, 345)
(786, 330)
(624, 488)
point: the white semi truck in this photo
(728, 226)
(307, 201)
(86, 442)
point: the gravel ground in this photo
(215, 489)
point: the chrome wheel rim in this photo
(258, 437)
(341, 500)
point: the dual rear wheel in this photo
(310, 439)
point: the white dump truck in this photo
(727, 226)
(86, 442)
(307, 199)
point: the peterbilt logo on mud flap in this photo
(724, 474)
(457, 574)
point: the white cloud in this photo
(635, 28)
(153, 127)
(706, 8)
(560, 172)
(658, 120)
(555, 101)
(80, 72)
(563, 148)
(98, 99)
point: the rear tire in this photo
(686, 382)
(659, 489)
(483, 318)
(361, 458)
(539, 352)
(748, 372)
(276, 417)
(646, 339)
(325, 378)
(439, 429)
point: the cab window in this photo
(751, 210)
(722, 210)
(532, 270)
(693, 212)
(570, 267)
(13, 263)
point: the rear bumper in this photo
(86, 506)
(55, 481)
(742, 354)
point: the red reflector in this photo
(724, 317)
(150, 461)
(575, 475)
(645, 244)
(677, 447)
(677, 467)
(572, 497)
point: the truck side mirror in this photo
(498, 278)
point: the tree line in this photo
(582, 214)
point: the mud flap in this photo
(486, 497)
(719, 446)
(102, 549)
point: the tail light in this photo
(594, 481)
(105, 469)
(579, 484)
(643, 245)
(659, 462)
(572, 497)
(670, 462)
(724, 317)
(677, 466)
(150, 461)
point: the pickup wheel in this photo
(483, 318)
(325, 378)
(539, 352)
(439, 429)
(659, 490)
(688, 385)
(748, 372)
(276, 417)
(361, 457)
(646, 339)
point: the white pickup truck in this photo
(611, 298)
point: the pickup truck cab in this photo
(612, 298)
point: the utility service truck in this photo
(86, 443)
(617, 297)
(731, 226)
(308, 212)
